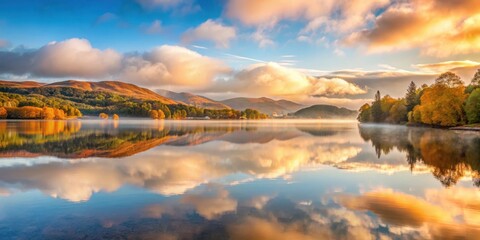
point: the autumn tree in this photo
(103, 116)
(115, 117)
(377, 113)
(441, 105)
(3, 113)
(449, 79)
(161, 114)
(154, 114)
(398, 112)
(60, 114)
(48, 113)
(365, 114)
(472, 107)
(411, 98)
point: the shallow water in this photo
(147, 179)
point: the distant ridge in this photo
(263, 104)
(193, 100)
(325, 112)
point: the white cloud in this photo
(210, 30)
(74, 57)
(70, 58)
(260, 36)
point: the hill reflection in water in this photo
(237, 180)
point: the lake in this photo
(278, 179)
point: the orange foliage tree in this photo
(441, 105)
(3, 113)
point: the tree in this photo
(449, 79)
(154, 114)
(476, 79)
(365, 114)
(441, 105)
(161, 114)
(472, 107)
(115, 117)
(398, 112)
(3, 113)
(48, 113)
(60, 114)
(183, 114)
(411, 97)
(377, 113)
(103, 116)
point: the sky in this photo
(336, 52)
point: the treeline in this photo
(29, 112)
(179, 113)
(445, 103)
(77, 102)
(16, 106)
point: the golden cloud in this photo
(438, 28)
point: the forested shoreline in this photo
(36, 103)
(445, 103)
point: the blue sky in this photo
(380, 44)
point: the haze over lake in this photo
(276, 179)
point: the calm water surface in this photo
(146, 179)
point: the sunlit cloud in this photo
(428, 25)
(275, 80)
(441, 67)
(172, 65)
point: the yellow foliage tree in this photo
(115, 117)
(441, 105)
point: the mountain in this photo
(325, 112)
(265, 105)
(193, 100)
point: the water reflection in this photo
(450, 155)
(236, 180)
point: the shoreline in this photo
(457, 128)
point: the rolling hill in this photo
(120, 88)
(263, 104)
(193, 100)
(325, 112)
(115, 87)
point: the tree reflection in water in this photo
(451, 155)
